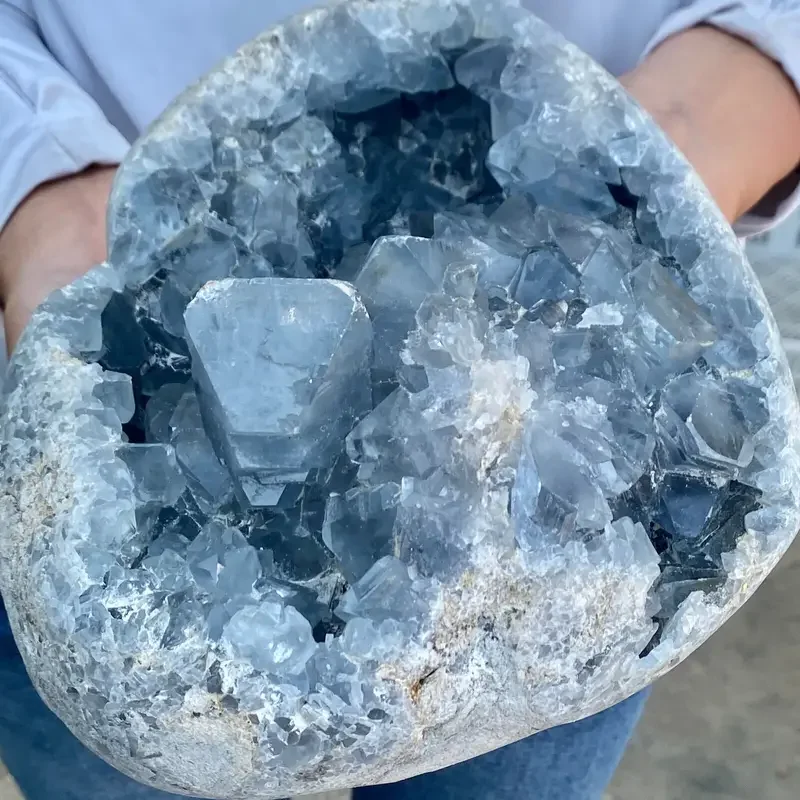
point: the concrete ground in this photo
(725, 725)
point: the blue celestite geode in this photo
(426, 402)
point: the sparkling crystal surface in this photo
(283, 371)
(426, 396)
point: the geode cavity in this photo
(426, 402)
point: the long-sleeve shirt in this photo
(80, 79)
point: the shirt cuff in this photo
(35, 153)
(774, 31)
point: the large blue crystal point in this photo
(283, 371)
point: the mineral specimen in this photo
(426, 402)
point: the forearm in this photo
(51, 226)
(732, 111)
(56, 234)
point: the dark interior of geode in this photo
(311, 199)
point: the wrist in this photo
(688, 128)
(57, 232)
(728, 107)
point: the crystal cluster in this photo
(425, 394)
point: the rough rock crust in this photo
(515, 643)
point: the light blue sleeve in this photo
(774, 27)
(49, 127)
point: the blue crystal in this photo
(672, 331)
(385, 592)
(359, 527)
(262, 209)
(222, 562)
(116, 391)
(159, 410)
(497, 255)
(605, 280)
(417, 339)
(309, 373)
(398, 274)
(157, 478)
(546, 275)
(555, 494)
(208, 479)
(481, 68)
(686, 504)
(271, 637)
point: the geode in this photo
(426, 402)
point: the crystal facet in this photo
(283, 371)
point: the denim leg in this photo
(45, 759)
(571, 762)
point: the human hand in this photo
(731, 109)
(55, 235)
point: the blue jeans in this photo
(572, 762)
